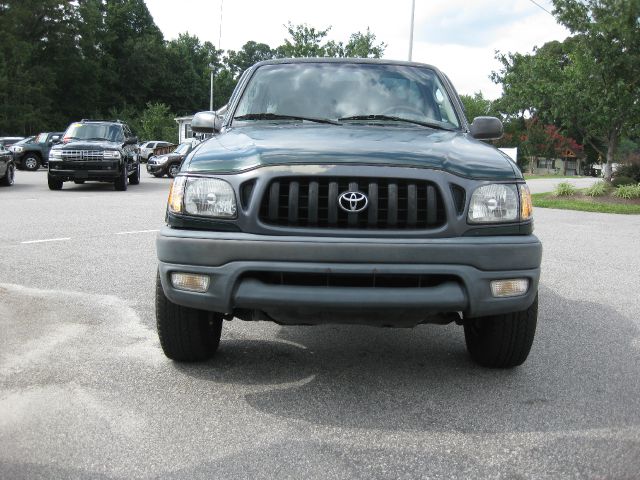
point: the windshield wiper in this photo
(277, 116)
(396, 119)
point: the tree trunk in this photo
(611, 152)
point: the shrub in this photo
(622, 180)
(564, 189)
(597, 189)
(631, 171)
(627, 191)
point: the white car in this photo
(146, 149)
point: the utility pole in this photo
(212, 68)
(413, 9)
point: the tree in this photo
(306, 41)
(251, 53)
(477, 106)
(589, 82)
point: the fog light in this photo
(190, 281)
(509, 288)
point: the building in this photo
(184, 128)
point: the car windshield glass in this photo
(352, 92)
(25, 140)
(182, 148)
(94, 131)
(41, 138)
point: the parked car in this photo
(32, 155)
(7, 168)
(169, 163)
(8, 141)
(348, 191)
(95, 150)
(146, 149)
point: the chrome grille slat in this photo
(76, 155)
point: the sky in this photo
(459, 37)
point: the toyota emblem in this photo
(353, 202)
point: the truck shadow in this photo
(582, 373)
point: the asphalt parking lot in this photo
(85, 391)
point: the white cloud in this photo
(458, 36)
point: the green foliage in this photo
(622, 180)
(630, 171)
(63, 61)
(477, 106)
(157, 123)
(585, 83)
(564, 189)
(598, 189)
(627, 191)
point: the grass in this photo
(586, 203)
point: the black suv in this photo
(95, 150)
(348, 191)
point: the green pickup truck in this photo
(348, 191)
(32, 155)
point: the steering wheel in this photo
(403, 108)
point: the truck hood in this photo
(252, 146)
(88, 145)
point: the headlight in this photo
(207, 197)
(55, 154)
(160, 160)
(17, 149)
(112, 155)
(494, 203)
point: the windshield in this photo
(340, 91)
(182, 148)
(94, 131)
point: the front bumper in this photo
(156, 169)
(235, 262)
(104, 170)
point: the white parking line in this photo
(136, 231)
(48, 240)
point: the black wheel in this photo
(502, 341)
(186, 334)
(9, 176)
(174, 168)
(78, 182)
(54, 183)
(121, 183)
(31, 162)
(135, 178)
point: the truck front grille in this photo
(86, 155)
(313, 202)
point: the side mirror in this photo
(486, 128)
(131, 141)
(206, 122)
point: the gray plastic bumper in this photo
(469, 262)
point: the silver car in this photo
(146, 149)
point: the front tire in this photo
(121, 183)
(173, 170)
(54, 183)
(502, 341)
(186, 334)
(31, 162)
(9, 176)
(135, 178)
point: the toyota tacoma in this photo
(348, 191)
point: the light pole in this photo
(413, 8)
(212, 67)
